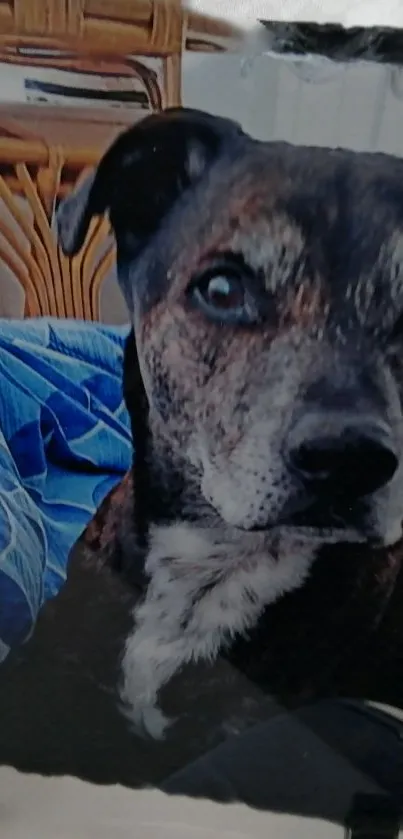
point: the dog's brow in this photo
(304, 305)
(274, 248)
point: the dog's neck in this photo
(206, 584)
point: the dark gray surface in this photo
(380, 44)
(315, 763)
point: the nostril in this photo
(354, 462)
(316, 459)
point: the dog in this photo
(264, 284)
(262, 519)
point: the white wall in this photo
(354, 106)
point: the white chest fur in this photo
(205, 587)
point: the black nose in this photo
(352, 458)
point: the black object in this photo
(373, 817)
(378, 43)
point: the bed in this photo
(64, 432)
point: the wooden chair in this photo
(83, 36)
(32, 178)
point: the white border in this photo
(346, 12)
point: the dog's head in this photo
(265, 284)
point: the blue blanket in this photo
(64, 442)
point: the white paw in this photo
(147, 721)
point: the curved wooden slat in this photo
(43, 278)
(99, 234)
(20, 272)
(33, 272)
(18, 214)
(36, 153)
(149, 80)
(104, 266)
(43, 246)
(84, 262)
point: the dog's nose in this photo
(353, 458)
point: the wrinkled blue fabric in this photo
(64, 442)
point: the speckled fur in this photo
(320, 231)
(196, 605)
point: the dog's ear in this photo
(74, 215)
(143, 173)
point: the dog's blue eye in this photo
(224, 297)
(224, 293)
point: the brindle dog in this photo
(256, 547)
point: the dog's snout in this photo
(350, 456)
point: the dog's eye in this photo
(223, 296)
(222, 292)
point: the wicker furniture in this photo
(32, 178)
(102, 36)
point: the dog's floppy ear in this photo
(143, 173)
(74, 215)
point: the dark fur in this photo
(312, 224)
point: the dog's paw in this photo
(147, 721)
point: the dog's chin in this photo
(324, 534)
(322, 526)
(315, 525)
(318, 535)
